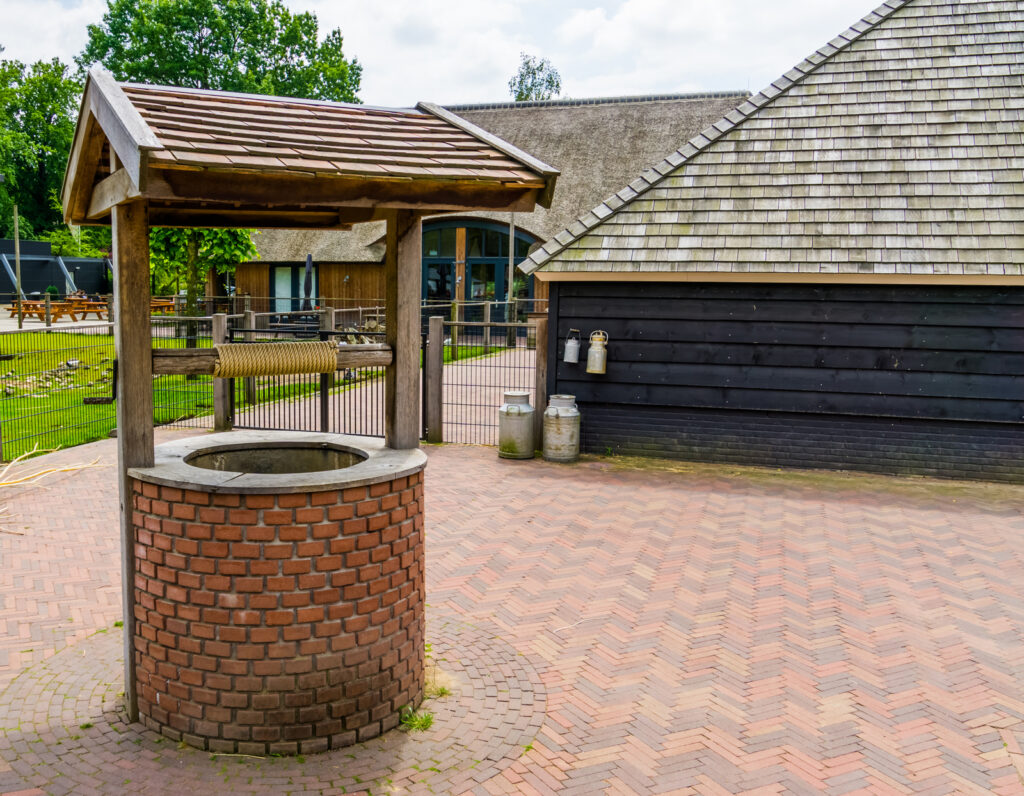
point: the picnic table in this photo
(37, 309)
(84, 307)
(161, 305)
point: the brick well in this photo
(287, 623)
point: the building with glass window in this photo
(598, 145)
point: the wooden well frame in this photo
(121, 173)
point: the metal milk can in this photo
(515, 426)
(562, 429)
(572, 347)
(597, 354)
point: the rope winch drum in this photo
(244, 360)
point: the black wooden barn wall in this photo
(898, 379)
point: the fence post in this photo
(49, 309)
(110, 313)
(541, 384)
(487, 328)
(222, 419)
(433, 372)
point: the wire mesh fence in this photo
(481, 362)
(58, 388)
(348, 401)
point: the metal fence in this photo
(481, 362)
(58, 388)
(349, 401)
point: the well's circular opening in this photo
(265, 460)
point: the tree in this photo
(38, 105)
(255, 46)
(536, 79)
(184, 253)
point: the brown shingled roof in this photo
(208, 129)
(212, 158)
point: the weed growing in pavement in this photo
(416, 720)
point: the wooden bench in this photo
(85, 307)
(37, 309)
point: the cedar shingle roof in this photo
(897, 148)
(210, 129)
(219, 159)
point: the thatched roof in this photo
(597, 144)
(893, 150)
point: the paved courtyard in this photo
(607, 627)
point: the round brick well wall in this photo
(278, 613)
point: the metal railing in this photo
(348, 401)
(481, 362)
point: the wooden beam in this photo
(403, 273)
(134, 398)
(116, 189)
(187, 186)
(199, 361)
(82, 165)
(126, 130)
(549, 173)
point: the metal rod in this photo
(17, 268)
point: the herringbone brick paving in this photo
(706, 631)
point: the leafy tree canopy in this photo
(255, 46)
(536, 79)
(38, 106)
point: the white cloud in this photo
(36, 30)
(466, 50)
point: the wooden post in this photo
(487, 328)
(541, 383)
(249, 385)
(403, 275)
(222, 419)
(48, 301)
(133, 343)
(433, 372)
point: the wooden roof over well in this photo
(210, 158)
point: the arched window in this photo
(468, 259)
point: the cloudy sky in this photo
(453, 51)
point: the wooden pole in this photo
(541, 383)
(133, 344)
(403, 274)
(433, 372)
(17, 269)
(221, 387)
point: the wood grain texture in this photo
(110, 191)
(433, 372)
(132, 338)
(403, 268)
(913, 352)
